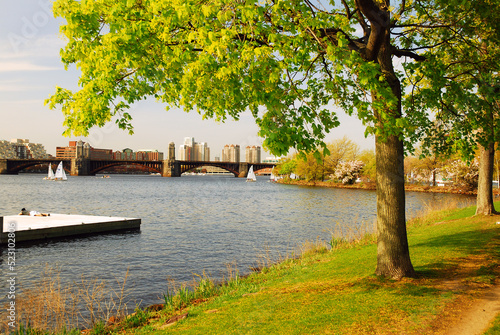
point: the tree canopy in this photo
(459, 80)
(284, 61)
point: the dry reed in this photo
(50, 306)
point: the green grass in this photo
(336, 292)
(495, 327)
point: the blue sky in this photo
(30, 69)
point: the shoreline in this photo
(372, 187)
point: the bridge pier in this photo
(80, 167)
(243, 170)
(3, 167)
(171, 168)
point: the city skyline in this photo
(30, 69)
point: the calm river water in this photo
(189, 225)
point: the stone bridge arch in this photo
(186, 166)
(14, 166)
(98, 166)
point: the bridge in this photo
(90, 167)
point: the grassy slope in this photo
(335, 292)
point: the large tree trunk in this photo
(393, 255)
(484, 199)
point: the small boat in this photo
(50, 175)
(60, 174)
(272, 178)
(251, 175)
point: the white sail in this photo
(272, 177)
(251, 174)
(50, 174)
(60, 174)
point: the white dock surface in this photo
(28, 222)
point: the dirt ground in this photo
(476, 317)
(478, 302)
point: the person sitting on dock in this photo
(24, 212)
(37, 213)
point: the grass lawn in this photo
(456, 257)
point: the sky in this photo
(30, 70)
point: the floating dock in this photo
(33, 228)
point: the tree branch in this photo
(407, 53)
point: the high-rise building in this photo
(184, 153)
(171, 151)
(189, 142)
(201, 152)
(252, 154)
(22, 149)
(194, 151)
(231, 153)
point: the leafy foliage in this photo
(459, 81)
(286, 62)
(369, 172)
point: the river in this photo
(189, 225)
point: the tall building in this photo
(194, 151)
(201, 152)
(171, 151)
(189, 142)
(21, 149)
(231, 153)
(252, 154)
(184, 153)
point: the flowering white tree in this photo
(463, 174)
(348, 172)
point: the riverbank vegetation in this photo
(331, 288)
(347, 166)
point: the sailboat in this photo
(60, 174)
(50, 175)
(251, 174)
(272, 178)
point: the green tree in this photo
(342, 149)
(286, 166)
(310, 167)
(284, 61)
(369, 172)
(318, 166)
(460, 81)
